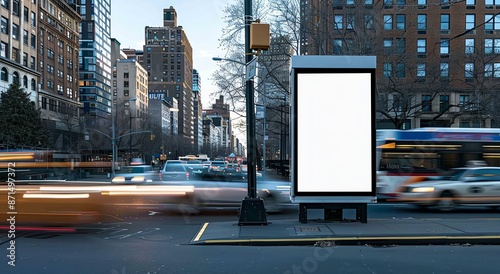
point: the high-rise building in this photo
(58, 43)
(168, 59)
(198, 112)
(436, 61)
(94, 63)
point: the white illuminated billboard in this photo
(333, 131)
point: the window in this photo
(444, 48)
(5, 4)
(400, 70)
(422, 22)
(388, 45)
(125, 75)
(496, 70)
(388, 3)
(25, 14)
(337, 46)
(25, 37)
(421, 46)
(25, 81)
(33, 84)
(422, 2)
(401, 46)
(401, 21)
(470, 21)
(25, 59)
(488, 70)
(387, 70)
(4, 75)
(33, 41)
(387, 22)
(469, 70)
(421, 70)
(125, 84)
(488, 22)
(338, 22)
(3, 50)
(33, 19)
(491, 46)
(445, 22)
(397, 103)
(469, 46)
(60, 59)
(445, 70)
(4, 23)
(15, 7)
(349, 22)
(444, 102)
(15, 31)
(50, 53)
(369, 21)
(33, 62)
(426, 103)
(463, 100)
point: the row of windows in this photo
(444, 103)
(420, 3)
(4, 76)
(491, 70)
(399, 22)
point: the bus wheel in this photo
(446, 202)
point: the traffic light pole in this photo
(252, 211)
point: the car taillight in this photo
(187, 175)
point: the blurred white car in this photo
(139, 174)
(468, 185)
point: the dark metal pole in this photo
(252, 193)
(252, 211)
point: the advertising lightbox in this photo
(333, 129)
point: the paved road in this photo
(149, 241)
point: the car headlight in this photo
(423, 189)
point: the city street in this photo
(153, 240)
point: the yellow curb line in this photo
(202, 230)
(354, 239)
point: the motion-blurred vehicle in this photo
(214, 193)
(138, 174)
(463, 186)
(175, 171)
(232, 168)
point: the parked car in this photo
(138, 174)
(467, 185)
(174, 171)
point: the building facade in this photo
(168, 59)
(18, 46)
(95, 66)
(436, 60)
(58, 44)
(197, 113)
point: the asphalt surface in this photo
(384, 232)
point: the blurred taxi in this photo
(137, 174)
(467, 185)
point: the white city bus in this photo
(405, 156)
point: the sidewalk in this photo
(375, 232)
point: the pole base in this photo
(252, 212)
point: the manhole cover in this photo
(309, 229)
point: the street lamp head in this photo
(217, 59)
(132, 99)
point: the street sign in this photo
(260, 112)
(251, 69)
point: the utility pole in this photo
(252, 211)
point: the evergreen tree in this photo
(20, 120)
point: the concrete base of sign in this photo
(334, 211)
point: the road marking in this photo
(202, 230)
(351, 239)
